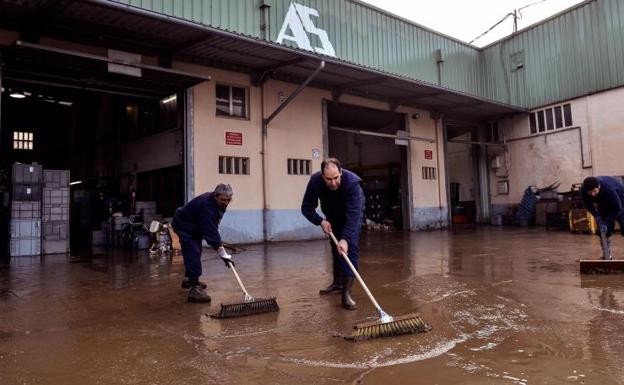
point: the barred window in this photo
(233, 165)
(428, 172)
(231, 101)
(299, 166)
(550, 119)
(23, 140)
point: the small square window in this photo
(231, 101)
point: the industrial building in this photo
(161, 100)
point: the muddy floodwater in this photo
(507, 306)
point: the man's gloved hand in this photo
(227, 258)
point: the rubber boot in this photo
(347, 301)
(198, 294)
(335, 287)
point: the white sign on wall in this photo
(300, 24)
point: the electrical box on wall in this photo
(495, 162)
(502, 187)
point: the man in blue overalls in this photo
(342, 202)
(199, 219)
(603, 197)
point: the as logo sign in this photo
(299, 22)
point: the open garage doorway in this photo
(468, 172)
(118, 135)
(119, 152)
(364, 141)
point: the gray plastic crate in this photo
(56, 178)
(25, 228)
(55, 246)
(26, 192)
(55, 213)
(25, 210)
(55, 231)
(55, 196)
(25, 246)
(26, 173)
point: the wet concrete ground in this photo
(507, 306)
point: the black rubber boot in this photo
(335, 287)
(198, 294)
(187, 284)
(347, 301)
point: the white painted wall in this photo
(542, 159)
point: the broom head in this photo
(256, 306)
(406, 324)
(602, 266)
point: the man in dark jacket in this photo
(603, 197)
(342, 202)
(199, 219)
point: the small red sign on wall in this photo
(428, 154)
(234, 138)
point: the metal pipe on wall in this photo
(265, 129)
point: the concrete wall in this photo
(294, 133)
(591, 146)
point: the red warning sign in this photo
(428, 154)
(234, 138)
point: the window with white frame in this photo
(233, 165)
(550, 119)
(231, 101)
(23, 140)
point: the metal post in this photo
(189, 164)
(265, 129)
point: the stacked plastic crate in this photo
(55, 232)
(25, 222)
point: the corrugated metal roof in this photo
(579, 52)
(119, 26)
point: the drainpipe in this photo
(265, 126)
(439, 118)
(265, 25)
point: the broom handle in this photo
(239, 280)
(357, 275)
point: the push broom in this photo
(386, 326)
(606, 265)
(249, 306)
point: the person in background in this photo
(199, 219)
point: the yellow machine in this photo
(581, 221)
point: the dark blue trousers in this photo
(191, 254)
(338, 261)
(611, 226)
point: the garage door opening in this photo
(364, 141)
(123, 153)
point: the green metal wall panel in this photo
(576, 53)
(359, 33)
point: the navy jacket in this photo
(200, 218)
(342, 207)
(609, 199)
